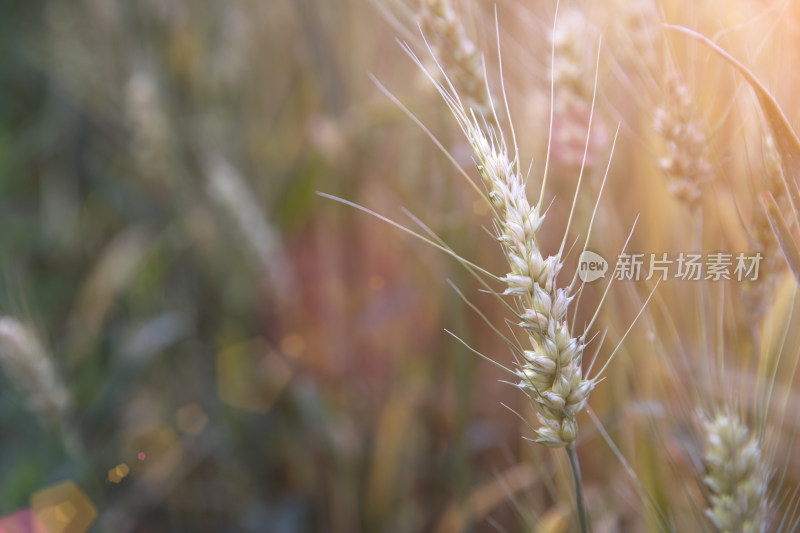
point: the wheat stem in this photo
(575, 467)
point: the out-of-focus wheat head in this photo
(572, 42)
(636, 25)
(453, 48)
(30, 368)
(757, 294)
(687, 161)
(736, 475)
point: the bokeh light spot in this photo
(20, 522)
(163, 447)
(63, 508)
(65, 512)
(191, 419)
(118, 473)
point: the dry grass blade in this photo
(782, 234)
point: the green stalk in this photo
(583, 519)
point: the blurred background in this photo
(195, 341)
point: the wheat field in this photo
(399, 266)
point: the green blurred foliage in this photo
(158, 169)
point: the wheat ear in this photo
(29, 367)
(687, 161)
(736, 476)
(551, 368)
(452, 46)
